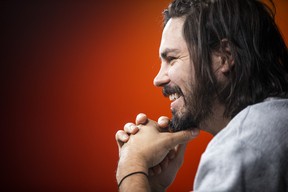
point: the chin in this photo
(182, 121)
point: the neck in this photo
(216, 122)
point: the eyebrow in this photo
(164, 54)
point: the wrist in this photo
(129, 165)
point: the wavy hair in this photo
(259, 52)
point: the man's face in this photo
(177, 78)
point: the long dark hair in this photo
(260, 55)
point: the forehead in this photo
(172, 36)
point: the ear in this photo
(227, 60)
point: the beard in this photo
(198, 102)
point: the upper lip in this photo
(174, 91)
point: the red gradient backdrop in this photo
(72, 74)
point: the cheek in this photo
(175, 76)
(172, 73)
(180, 76)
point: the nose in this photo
(162, 77)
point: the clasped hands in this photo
(148, 146)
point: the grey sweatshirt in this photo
(250, 153)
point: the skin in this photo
(175, 62)
(139, 154)
(146, 145)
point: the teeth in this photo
(173, 97)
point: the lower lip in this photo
(175, 103)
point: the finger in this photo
(141, 119)
(157, 169)
(164, 163)
(163, 122)
(182, 137)
(121, 138)
(180, 153)
(151, 172)
(181, 149)
(131, 128)
(172, 153)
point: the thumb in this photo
(182, 137)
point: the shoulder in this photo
(271, 111)
(261, 125)
(252, 149)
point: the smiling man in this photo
(224, 66)
(191, 103)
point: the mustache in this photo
(168, 90)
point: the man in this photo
(225, 69)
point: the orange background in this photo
(73, 73)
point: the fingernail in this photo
(130, 128)
(161, 121)
(133, 127)
(124, 137)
